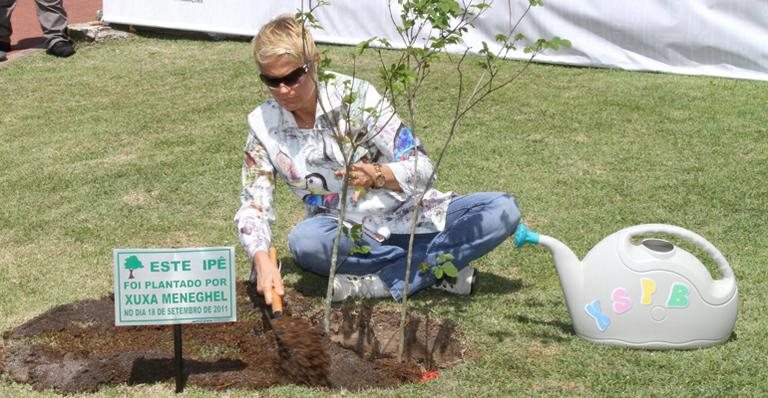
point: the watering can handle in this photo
(698, 240)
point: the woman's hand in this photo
(267, 276)
(361, 174)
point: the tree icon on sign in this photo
(132, 263)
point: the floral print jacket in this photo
(307, 158)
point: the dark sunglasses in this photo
(288, 80)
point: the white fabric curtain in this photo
(695, 37)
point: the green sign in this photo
(174, 286)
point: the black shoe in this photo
(5, 47)
(61, 49)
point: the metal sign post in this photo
(178, 361)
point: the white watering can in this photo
(652, 294)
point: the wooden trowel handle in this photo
(277, 301)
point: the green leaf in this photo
(374, 112)
(450, 270)
(485, 50)
(443, 257)
(325, 61)
(364, 249)
(364, 45)
(438, 272)
(553, 44)
(349, 98)
(324, 76)
(437, 44)
(356, 233)
(535, 47)
(384, 42)
(556, 42)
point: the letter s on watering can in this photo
(651, 295)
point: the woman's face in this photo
(290, 83)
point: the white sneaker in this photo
(464, 284)
(353, 286)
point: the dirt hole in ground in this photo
(77, 348)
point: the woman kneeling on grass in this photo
(291, 136)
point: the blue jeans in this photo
(474, 226)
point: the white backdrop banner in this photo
(695, 37)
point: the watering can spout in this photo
(524, 236)
(568, 266)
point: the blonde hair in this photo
(284, 36)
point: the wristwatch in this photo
(378, 180)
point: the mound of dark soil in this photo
(76, 348)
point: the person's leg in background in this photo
(53, 20)
(6, 9)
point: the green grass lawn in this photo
(137, 143)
